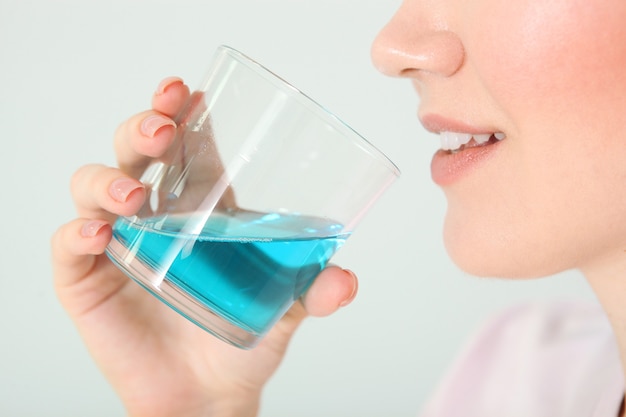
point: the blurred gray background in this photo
(71, 71)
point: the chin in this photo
(499, 257)
(488, 267)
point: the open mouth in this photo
(454, 142)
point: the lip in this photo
(447, 168)
(435, 123)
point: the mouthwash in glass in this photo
(247, 267)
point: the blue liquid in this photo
(247, 267)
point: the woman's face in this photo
(549, 76)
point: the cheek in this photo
(551, 199)
(533, 212)
(552, 55)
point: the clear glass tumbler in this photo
(259, 189)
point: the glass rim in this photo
(311, 104)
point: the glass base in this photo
(183, 303)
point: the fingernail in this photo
(121, 188)
(167, 83)
(152, 124)
(354, 289)
(91, 228)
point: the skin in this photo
(159, 363)
(563, 160)
(550, 198)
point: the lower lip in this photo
(447, 168)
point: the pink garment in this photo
(536, 360)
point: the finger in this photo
(103, 192)
(81, 283)
(74, 248)
(148, 134)
(332, 289)
(170, 96)
(142, 137)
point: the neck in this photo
(608, 281)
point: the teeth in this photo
(453, 141)
(482, 138)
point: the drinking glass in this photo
(259, 189)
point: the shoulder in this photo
(542, 335)
(532, 328)
(539, 358)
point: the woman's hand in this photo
(159, 363)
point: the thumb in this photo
(332, 289)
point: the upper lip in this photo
(436, 123)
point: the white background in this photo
(71, 71)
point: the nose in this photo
(409, 46)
